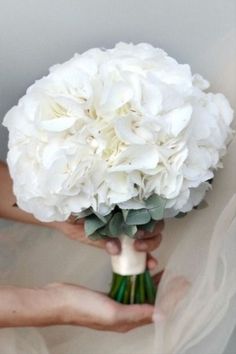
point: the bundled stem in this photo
(133, 289)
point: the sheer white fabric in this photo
(197, 292)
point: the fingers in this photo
(158, 316)
(151, 262)
(132, 316)
(159, 226)
(147, 241)
(157, 277)
(149, 244)
(76, 232)
(113, 246)
(139, 314)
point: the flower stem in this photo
(133, 289)
(121, 291)
(132, 292)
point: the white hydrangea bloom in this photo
(113, 127)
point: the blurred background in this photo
(37, 34)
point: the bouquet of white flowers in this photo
(122, 138)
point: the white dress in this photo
(197, 293)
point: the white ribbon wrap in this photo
(129, 261)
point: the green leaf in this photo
(138, 217)
(91, 224)
(157, 213)
(95, 236)
(115, 224)
(149, 287)
(82, 214)
(104, 231)
(125, 213)
(153, 201)
(103, 218)
(150, 226)
(130, 230)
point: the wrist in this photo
(21, 307)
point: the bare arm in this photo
(28, 307)
(64, 304)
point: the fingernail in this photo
(141, 245)
(158, 317)
(112, 247)
(152, 263)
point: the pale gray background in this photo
(36, 34)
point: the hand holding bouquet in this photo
(122, 138)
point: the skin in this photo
(67, 304)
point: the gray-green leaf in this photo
(150, 226)
(152, 201)
(130, 230)
(155, 201)
(103, 218)
(82, 214)
(91, 224)
(96, 236)
(105, 231)
(115, 224)
(125, 213)
(157, 213)
(138, 217)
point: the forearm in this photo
(20, 307)
(7, 200)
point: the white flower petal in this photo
(177, 120)
(78, 203)
(58, 124)
(135, 158)
(151, 98)
(125, 130)
(200, 82)
(116, 95)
